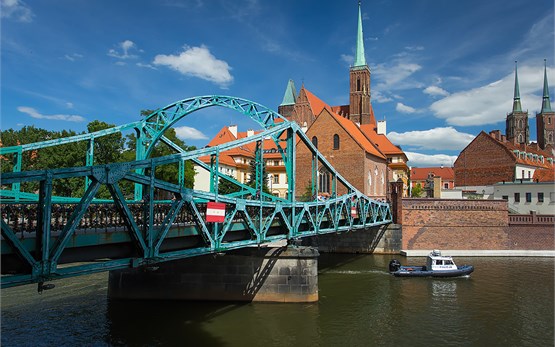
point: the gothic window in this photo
(520, 123)
(335, 141)
(358, 84)
(550, 137)
(323, 181)
(520, 138)
(315, 141)
(548, 120)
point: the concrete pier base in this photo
(285, 274)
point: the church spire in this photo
(360, 60)
(546, 104)
(516, 100)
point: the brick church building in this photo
(347, 135)
(492, 158)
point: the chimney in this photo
(250, 133)
(233, 130)
(496, 134)
(381, 129)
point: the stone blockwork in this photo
(469, 225)
(378, 240)
(286, 274)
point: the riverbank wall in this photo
(474, 226)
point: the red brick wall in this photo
(483, 162)
(351, 161)
(468, 225)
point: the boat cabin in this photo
(437, 262)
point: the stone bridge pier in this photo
(265, 274)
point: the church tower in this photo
(545, 120)
(359, 94)
(517, 130)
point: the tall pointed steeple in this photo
(360, 60)
(516, 100)
(546, 104)
(290, 95)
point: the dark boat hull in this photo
(420, 271)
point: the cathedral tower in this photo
(517, 129)
(545, 120)
(359, 94)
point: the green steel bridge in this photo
(47, 237)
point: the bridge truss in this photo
(46, 237)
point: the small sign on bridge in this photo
(215, 212)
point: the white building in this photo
(527, 196)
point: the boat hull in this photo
(420, 271)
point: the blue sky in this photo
(442, 70)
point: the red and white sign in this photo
(215, 212)
(353, 212)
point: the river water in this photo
(505, 302)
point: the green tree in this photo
(416, 191)
(108, 148)
(226, 187)
(307, 194)
(251, 182)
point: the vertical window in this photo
(528, 197)
(540, 196)
(517, 197)
(335, 141)
(324, 181)
(276, 179)
(552, 196)
(548, 120)
(522, 174)
(315, 141)
(529, 174)
(520, 138)
(358, 84)
(446, 186)
(276, 162)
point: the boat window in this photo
(448, 262)
(439, 262)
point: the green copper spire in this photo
(290, 95)
(359, 58)
(546, 104)
(516, 99)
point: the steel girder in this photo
(263, 217)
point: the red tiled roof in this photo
(544, 175)
(380, 140)
(421, 173)
(533, 148)
(357, 135)
(316, 104)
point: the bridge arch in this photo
(155, 124)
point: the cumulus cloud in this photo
(198, 62)
(447, 138)
(64, 117)
(394, 76)
(188, 133)
(16, 10)
(124, 50)
(404, 108)
(490, 104)
(436, 91)
(424, 160)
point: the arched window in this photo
(335, 141)
(358, 84)
(315, 141)
(550, 137)
(520, 138)
(520, 123)
(323, 181)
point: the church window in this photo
(548, 120)
(550, 137)
(335, 141)
(358, 84)
(324, 181)
(315, 141)
(520, 138)
(520, 123)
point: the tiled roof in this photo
(316, 104)
(524, 158)
(356, 134)
(380, 140)
(421, 173)
(544, 175)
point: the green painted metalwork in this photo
(252, 216)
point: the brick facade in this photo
(469, 225)
(350, 160)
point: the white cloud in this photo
(404, 108)
(438, 138)
(35, 114)
(198, 62)
(73, 56)
(123, 51)
(188, 133)
(436, 91)
(17, 10)
(347, 58)
(380, 97)
(425, 160)
(394, 77)
(490, 104)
